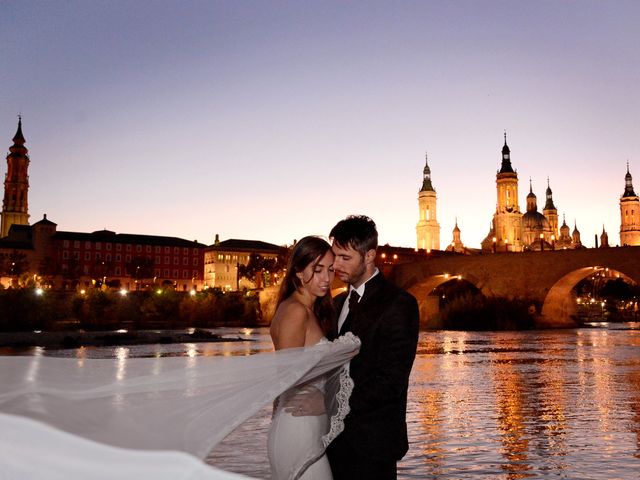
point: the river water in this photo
(490, 405)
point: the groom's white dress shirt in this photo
(345, 306)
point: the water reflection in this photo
(503, 405)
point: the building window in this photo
(195, 251)
(157, 261)
(65, 255)
(156, 272)
(167, 260)
(87, 245)
(76, 255)
(76, 244)
(166, 273)
(117, 271)
(138, 248)
(158, 249)
(98, 245)
(194, 274)
(65, 244)
(176, 261)
(220, 257)
(176, 250)
(98, 256)
(148, 248)
(128, 247)
(118, 257)
(185, 251)
(87, 255)
(185, 260)
(107, 257)
(185, 274)
(167, 250)
(175, 273)
(195, 262)
(118, 247)
(108, 246)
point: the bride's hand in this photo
(307, 401)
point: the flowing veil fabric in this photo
(163, 414)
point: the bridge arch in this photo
(428, 304)
(560, 306)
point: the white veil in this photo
(149, 417)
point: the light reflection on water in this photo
(503, 405)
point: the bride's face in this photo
(317, 277)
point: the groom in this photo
(386, 319)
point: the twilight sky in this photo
(272, 120)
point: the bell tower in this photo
(507, 220)
(428, 228)
(551, 212)
(629, 213)
(15, 206)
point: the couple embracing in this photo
(385, 318)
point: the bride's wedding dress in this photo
(144, 417)
(296, 444)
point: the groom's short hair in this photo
(356, 231)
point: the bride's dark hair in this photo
(308, 250)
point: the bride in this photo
(159, 417)
(303, 318)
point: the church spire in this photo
(506, 157)
(18, 138)
(628, 184)
(427, 186)
(549, 204)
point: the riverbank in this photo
(75, 339)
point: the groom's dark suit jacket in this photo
(386, 320)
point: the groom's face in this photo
(349, 264)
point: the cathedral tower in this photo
(15, 206)
(507, 221)
(427, 229)
(629, 214)
(551, 213)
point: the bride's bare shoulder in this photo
(291, 312)
(289, 324)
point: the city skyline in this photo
(271, 123)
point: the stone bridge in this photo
(547, 277)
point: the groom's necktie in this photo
(354, 297)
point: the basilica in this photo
(514, 231)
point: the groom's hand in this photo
(308, 401)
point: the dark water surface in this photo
(490, 405)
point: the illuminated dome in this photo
(535, 221)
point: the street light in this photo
(495, 241)
(541, 242)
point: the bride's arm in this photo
(289, 326)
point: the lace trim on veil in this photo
(337, 419)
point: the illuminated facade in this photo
(512, 231)
(428, 228)
(629, 214)
(222, 260)
(15, 205)
(456, 244)
(129, 261)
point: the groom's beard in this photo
(353, 277)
